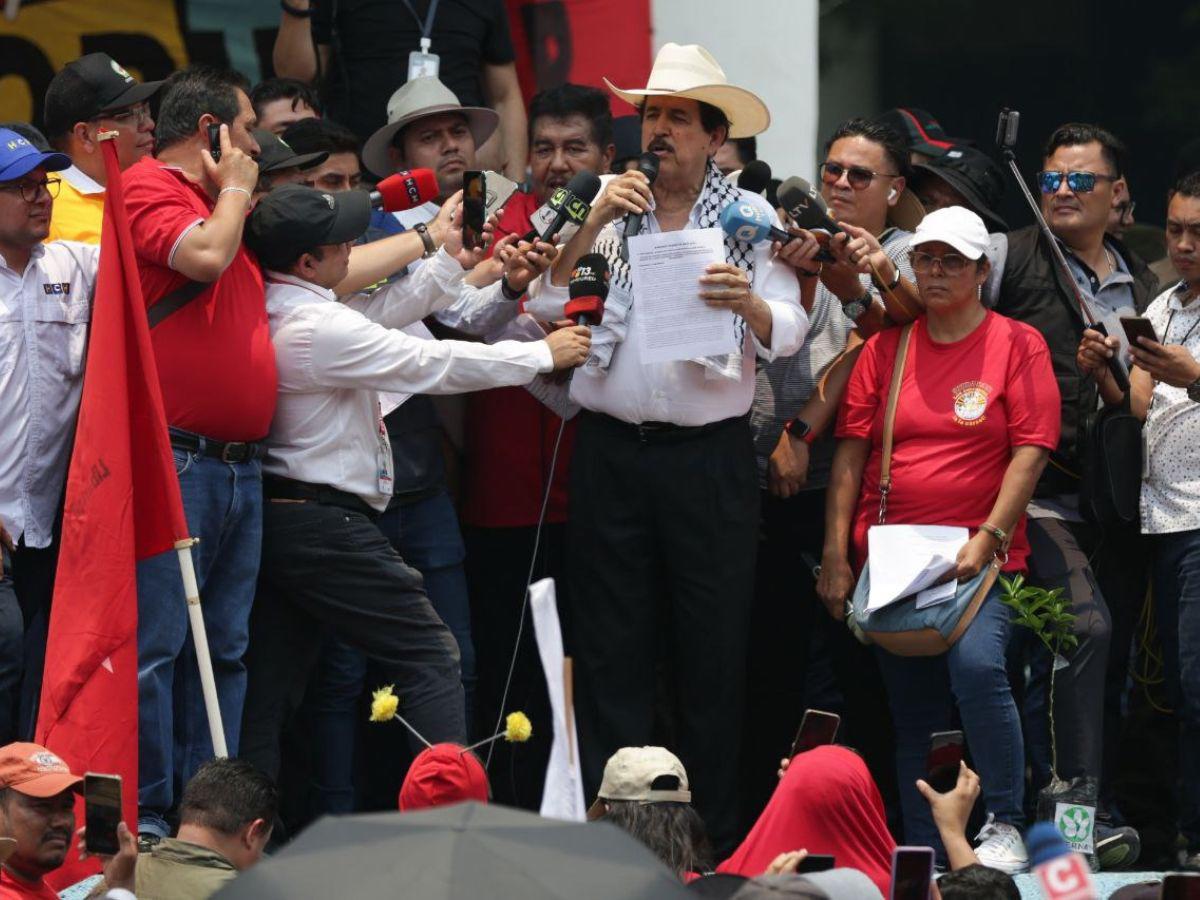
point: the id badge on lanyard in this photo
(422, 63)
(383, 461)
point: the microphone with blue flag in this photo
(746, 222)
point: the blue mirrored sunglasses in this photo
(1077, 182)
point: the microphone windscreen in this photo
(585, 186)
(589, 278)
(648, 165)
(746, 222)
(1043, 842)
(407, 189)
(805, 205)
(755, 177)
(592, 307)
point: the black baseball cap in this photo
(973, 174)
(293, 219)
(110, 85)
(275, 154)
(920, 130)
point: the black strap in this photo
(175, 301)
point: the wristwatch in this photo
(1193, 391)
(800, 430)
(296, 11)
(426, 239)
(509, 292)
(854, 309)
(888, 288)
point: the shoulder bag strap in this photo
(175, 301)
(889, 420)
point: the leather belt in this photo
(277, 488)
(225, 451)
(667, 432)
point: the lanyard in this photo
(427, 27)
(1167, 331)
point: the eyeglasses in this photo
(951, 263)
(859, 177)
(134, 115)
(1077, 182)
(31, 189)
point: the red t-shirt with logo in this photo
(963, 407)
(14, 888)
(215, 359)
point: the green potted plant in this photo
(1070, 805)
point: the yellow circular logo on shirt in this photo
(970, 402)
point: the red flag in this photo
(122, 505)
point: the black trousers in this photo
(330, 571)
(671, 519)
(497, 566)
(12, 632)
(1060, 557)
(33, 573)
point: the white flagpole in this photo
(208, 683)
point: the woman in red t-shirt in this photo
(978, 414)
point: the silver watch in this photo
(854, 309)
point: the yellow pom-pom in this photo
(384, 704)
(517, 728)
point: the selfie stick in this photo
(1006, 137)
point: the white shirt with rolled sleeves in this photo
(44, 315)
(685, 393)
(334, 358)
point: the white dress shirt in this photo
(334, 358)
(1171, 488)
(44, 314)
(685, 392)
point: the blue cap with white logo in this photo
(18, 157)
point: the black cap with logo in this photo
(294, 218)
(111, 86)
(275, 154)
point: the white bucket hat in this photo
(688, 70)
(415, 100)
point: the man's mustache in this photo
(659, 144)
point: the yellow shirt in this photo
(78, 210)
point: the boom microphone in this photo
(755, 177)
(567, 206)
(746, 222)
(806, 206)
(588, 289)
(406, 189)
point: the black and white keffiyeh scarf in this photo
(715, 195)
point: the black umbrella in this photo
(470, 851)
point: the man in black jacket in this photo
(1101, 570)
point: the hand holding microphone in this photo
(406, 189)
(629, 193)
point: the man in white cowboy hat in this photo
(663, 483)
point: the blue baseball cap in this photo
(18, 157)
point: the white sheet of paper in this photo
(675, 323)
(939, 593)
(906, 559)
(562, 796)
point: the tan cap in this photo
(33, 770)
(631, 771)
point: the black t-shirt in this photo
(372, 40)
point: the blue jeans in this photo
(1176, 573)
(223, 505)
(922, 692)
(426, 534)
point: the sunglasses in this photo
(951, 263)
(1077, 182)
(859, 177)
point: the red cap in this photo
(442, 775)
(407, 189)
(33, 770)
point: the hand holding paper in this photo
(907, 559)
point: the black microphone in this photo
(755, 177)
(571, 203)
(806, 206)
(648, 166)
(588, 289)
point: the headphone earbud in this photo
(891, 195)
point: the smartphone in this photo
(942, 763)
(102, 812)
(214, 141)
(474, 205)
(1181, 886)
(1006, 129)
(816, 728)
(816, 862)
(1136, 327)
(912, 873)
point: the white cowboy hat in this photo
(417, 99)
(690, 71)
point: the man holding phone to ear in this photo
(1165, 382)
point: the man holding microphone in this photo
(664, 496)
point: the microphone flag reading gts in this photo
(406, 189)
(588, 289)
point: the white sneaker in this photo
(1001, 847)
